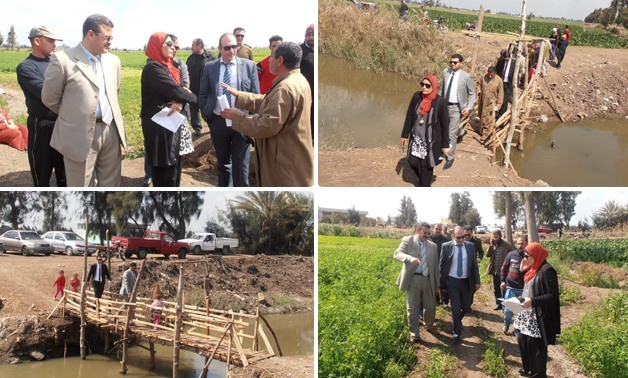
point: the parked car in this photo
(25, 242)
(67, 242)
(152, 242)
(545, 230)
(480, 230)
(209, 242)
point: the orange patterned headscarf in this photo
(153, 51)
(426, 103)
(539, 254)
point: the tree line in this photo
(616, 13)
(264, 222)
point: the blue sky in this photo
(433, 205)
(135, 20)
(570, 9)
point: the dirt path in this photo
(592, 82)
(486, 323)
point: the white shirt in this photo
(453, 93)
(453, 270)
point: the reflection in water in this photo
(590, 153)
(294, 331)
(358, 108)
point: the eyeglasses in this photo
(459, 237)
(239, 35)
(426, 85)
(232, 47)
(453, 62)
(108, 38)
(169, 43)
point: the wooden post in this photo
(514, 116)
(151, 363)
(478, 30)
(255, 334)
(108, 251)
(107, 340)
(83, 342)
(130, 311)
(207, 311)
(177, 326)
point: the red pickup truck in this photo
(152, 242)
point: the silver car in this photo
(67, 242)
(25, 242)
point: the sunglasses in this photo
(108, 38)
(232, 47)
(170, 44)
(453, 62)
(426, 85)
(459, 237)
(239, 35)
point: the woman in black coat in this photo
(539, 322)
(160, 88)
(426, 131)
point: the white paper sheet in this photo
(172, 122)
(512, 304)
(224, 104)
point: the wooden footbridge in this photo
(236, 338)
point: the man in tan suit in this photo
(81, 85)
(419, 278)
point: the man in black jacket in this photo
(42, 158)
(307, 67)
(505, 68)
(99, 272)
(477, 243)
(196, 63)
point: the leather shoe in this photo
(197, 133)
(449, 164)
(147, 181)
(523, 373)
(457, 340)
(412, 340)
(462, 133)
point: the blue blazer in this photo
(446, 259)
(247, 82)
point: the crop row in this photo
(534, 27)
(362, 327)
(609, 251)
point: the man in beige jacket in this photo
(281, 127)
(81, 85)
(419, 278)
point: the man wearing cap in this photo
(98, 273)
(307, 68)
(42, 158)
(196, 63)
(81, 85)
(244, 51)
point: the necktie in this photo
(459, 268)
(98, 273)
(424, 259)
(105, 110)
(227, 80)
(505, 67)
(451, 80)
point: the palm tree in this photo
(612, 213)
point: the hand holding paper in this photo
(224, 104)
(168, 119)
(513, 304)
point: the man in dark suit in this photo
(99, 272)
(232, 148)
(506, 70)
(459, 277)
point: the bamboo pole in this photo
(478, 30)
(515, 96)
(83, 342)
(177, 328)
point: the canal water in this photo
(360, 108)
(589, 153)
(295, 333)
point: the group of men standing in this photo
(438, 269)
(75, 122)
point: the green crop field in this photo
(610, 251)
(130, 88)
(362, 327)
(502, 24)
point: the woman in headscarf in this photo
(539, 322)
(161, 88)
(426, 130)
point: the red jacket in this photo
(265, 77)
(60, 282)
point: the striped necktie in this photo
(227, 80)
(105, 109)
(426, 270)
